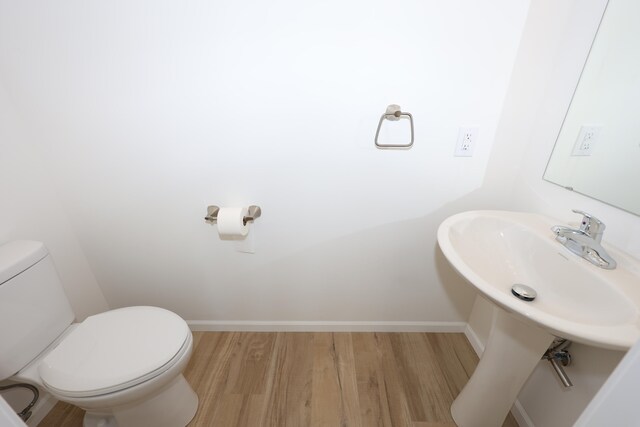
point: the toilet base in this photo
(171, 406)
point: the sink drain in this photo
(524, 292)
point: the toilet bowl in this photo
(123, 366)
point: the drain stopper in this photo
(524, 292)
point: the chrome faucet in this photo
(586, 240)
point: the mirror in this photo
(597, 152)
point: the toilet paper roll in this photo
(231, 224)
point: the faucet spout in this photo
(584, 243)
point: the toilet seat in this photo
(115, 350)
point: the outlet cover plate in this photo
(586, 140)
(466, 143)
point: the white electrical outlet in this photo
(586, 140)
(466, 141)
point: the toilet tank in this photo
(34, 309)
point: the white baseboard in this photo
(517, 410)
(478, 346)
(323, 326)
(521, 415)
(45, 404)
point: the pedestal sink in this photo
(576, 300)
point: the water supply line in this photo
(558, 355)
(26, 412)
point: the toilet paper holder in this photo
(212, 214)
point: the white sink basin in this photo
(576, 300)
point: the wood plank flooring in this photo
(321, 379)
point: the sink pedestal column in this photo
(512, 352)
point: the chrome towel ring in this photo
(394, 113)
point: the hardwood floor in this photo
(321, 379)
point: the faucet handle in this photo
(591, 225)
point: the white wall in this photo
(31, 210)
(555, 43)
(149, 111)
(616, 402)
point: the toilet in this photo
(124, 366)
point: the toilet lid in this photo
(113, 350)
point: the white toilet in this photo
(124, 366)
